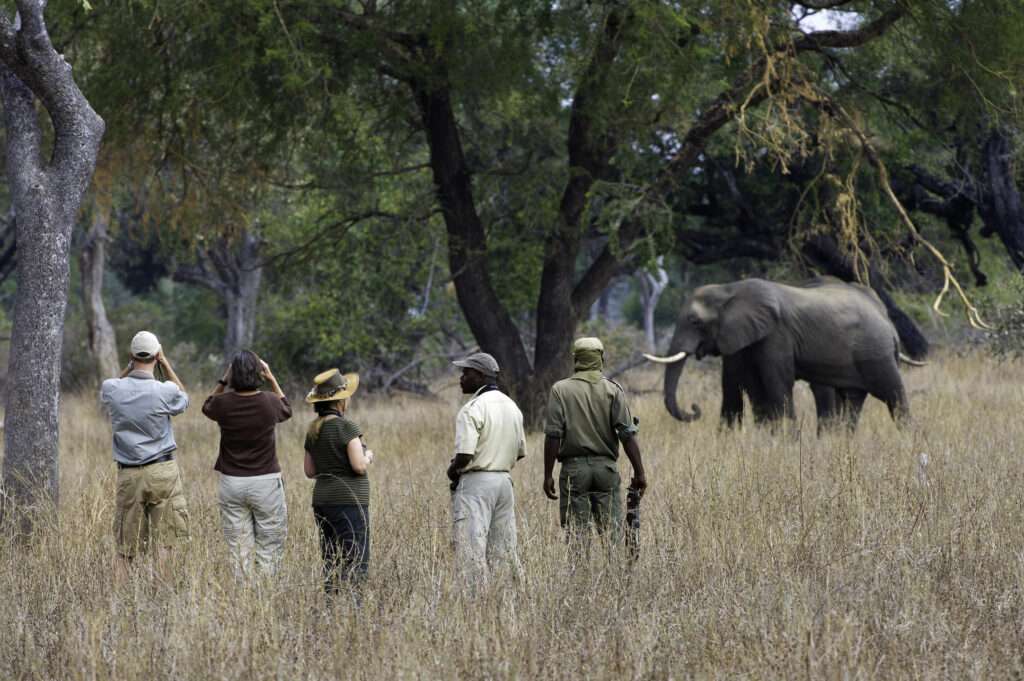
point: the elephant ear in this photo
(749, 316)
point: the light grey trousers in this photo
(484, 525)
(253, 514)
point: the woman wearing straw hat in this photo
(337, 458)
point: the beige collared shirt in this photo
(489, 427)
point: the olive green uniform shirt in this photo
(336, 482)
(588, 413)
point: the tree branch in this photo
(29, 54)
(715, 115)
(820, 5)
(820, 40)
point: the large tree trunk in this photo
(46, 198)
(92, 265)
(234, 271)
(488, 319)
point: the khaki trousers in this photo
(484, 525)
(254, 514)
(150, 508)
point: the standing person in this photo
(489, 440)
(252, 505)
(337, 458)
(151, 511)
(587, 418)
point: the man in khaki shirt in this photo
(587, 419)
(489, 440)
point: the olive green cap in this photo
(589, 343)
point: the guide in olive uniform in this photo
(587, 418)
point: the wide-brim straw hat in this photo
(332, 385)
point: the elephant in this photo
(834, 335)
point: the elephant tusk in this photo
(666, 360)
(911, 362)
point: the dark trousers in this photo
(344, 543)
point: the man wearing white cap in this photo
(489, 440)
(151, 509)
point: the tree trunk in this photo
(92, 263)
(46, 198)
(652, 285)
(1001, 207)
(234, 272)
(488, 319)
(241, 298)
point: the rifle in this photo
(632, 523)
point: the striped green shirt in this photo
(336, 482)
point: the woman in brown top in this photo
(252, 504)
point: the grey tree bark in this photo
(92, 264)
(234, 271)
(46, 196)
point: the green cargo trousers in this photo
(589, 493)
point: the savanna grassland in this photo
(764, 556)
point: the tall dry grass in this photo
(764, 555)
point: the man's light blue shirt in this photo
(140, 409)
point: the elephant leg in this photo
(774, 360)
(732, 392)
(849, 403)
(825, 404)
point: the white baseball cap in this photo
(145, 345)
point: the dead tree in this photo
(92, 260)
(233, 270)
(652, 285)
(46, 194)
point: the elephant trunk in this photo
(672, 373)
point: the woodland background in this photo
(385, 185)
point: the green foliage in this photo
(364, 297)
(278, 116)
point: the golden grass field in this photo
(764, 556)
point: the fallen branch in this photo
(631, 363)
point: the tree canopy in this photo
(423, 177)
